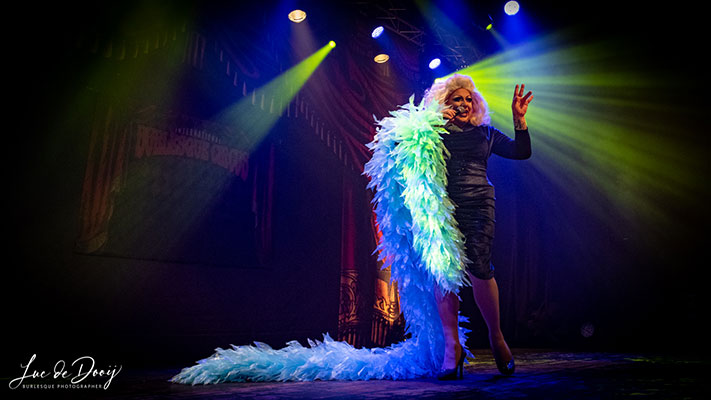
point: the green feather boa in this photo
(409, 173)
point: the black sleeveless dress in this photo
(470, 189)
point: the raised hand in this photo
(519, 106)
(520, 102)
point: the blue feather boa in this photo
(420, 242)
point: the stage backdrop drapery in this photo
(157, 146)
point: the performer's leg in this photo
(448, 306)
(486, 295)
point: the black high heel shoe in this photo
(450, 374)
(505, 367)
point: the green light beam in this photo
(598, 123)
(256, 113)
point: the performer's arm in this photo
(517, 149)
(520, 147)
(520, 123)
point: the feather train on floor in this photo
(420, 242)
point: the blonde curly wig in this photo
(441, 89)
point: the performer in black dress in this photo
(470, 142)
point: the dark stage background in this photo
(146, 231)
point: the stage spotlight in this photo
(435, 63)
(297, 16)
(511, 8)
(381, 58)
(331, 44)
(377, 32)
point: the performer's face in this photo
(461, 97)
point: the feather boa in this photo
(421, 243)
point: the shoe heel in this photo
(461, 365)
(454, 373)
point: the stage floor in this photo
(544, 374)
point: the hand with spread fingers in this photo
(519, 106)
